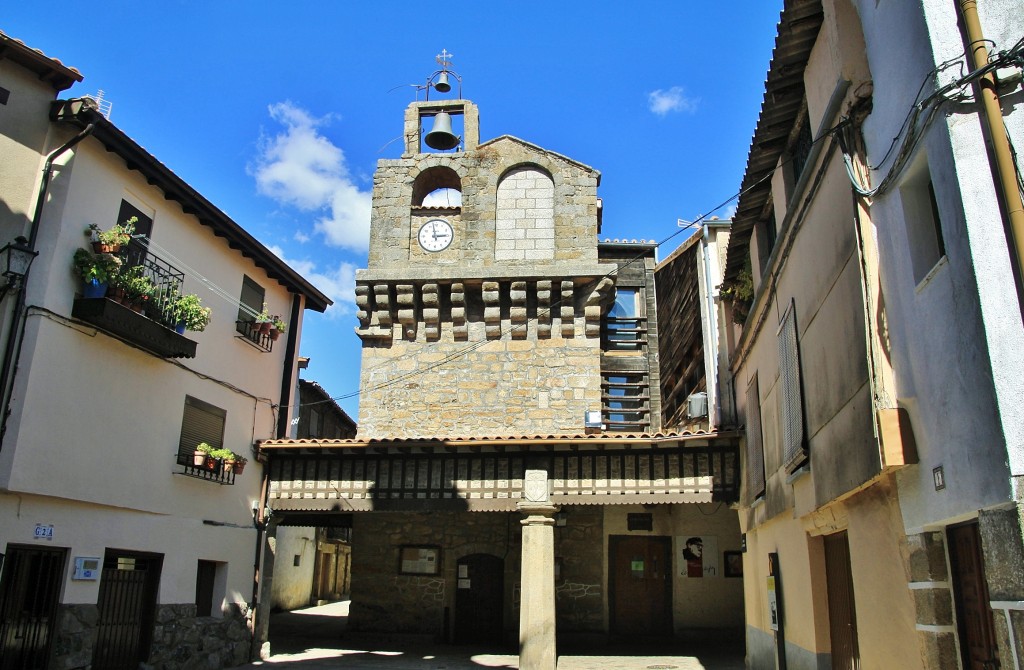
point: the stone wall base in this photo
(181, 640)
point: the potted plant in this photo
(276, 327)
(239, 464)
(220, 457)
(263, 320)
(96, 271)
(201, 452)
(739, 292)
(112, 240)
(138, 288)
(189, 314)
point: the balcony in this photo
(214, 471)
(127, 324)
(251, 332)
(152, 328)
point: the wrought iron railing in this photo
(166, 279)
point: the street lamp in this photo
(15, 258)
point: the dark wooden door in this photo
(29, 590)
(842, 613)
(127, 605)
(479, 599)
(641, 585)
(973, 614)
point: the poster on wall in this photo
(698, 556)
(773, 605)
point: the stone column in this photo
(537, 578)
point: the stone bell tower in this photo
(481, 304)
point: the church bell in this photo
(442, 85)
(442, 137)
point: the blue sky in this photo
(278, 112)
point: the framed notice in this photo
(419, 560)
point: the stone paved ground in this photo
(312, 639)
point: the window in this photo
(755, 445)
(200, 422)
(624, 327)
(801, 150)
(250, 305)
(251, 301)
(923, 226)
(794, 449)
(767, 233)
(626, 402)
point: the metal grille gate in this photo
(127, 601)
(28, 600)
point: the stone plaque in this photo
(535, 486)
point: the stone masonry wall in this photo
(498, 387)
(524, 221)
(385, 602)
(181, 640)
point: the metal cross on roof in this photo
(444, 59)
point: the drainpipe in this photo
(12, 351)
(284, 419)
(1005, 170)
(711, 334)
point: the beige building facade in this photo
(118, 548)
(863, 272)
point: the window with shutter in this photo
(755, 444)
(200, 422)
(794, 447)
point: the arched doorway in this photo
(479, 599)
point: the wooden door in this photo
(127, 605)
(479, 599)
(842, 613)
(29, 591)
(973, 614)
(640, 586)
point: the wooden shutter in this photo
(794, 451)
(755, 444)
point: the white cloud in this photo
(338, 284)
(300, 167)
(673, 100)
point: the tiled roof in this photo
(499, 440)
(48, 69)
(798, 29)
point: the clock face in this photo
(435, 235)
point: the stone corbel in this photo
(600, 297)
(492, 309)
(459, 328)
(544, 309)
(405, 299)
(431, 312)
(517, 313)
(567, 311)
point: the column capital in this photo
(537, 514)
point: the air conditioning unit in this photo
(697, 405)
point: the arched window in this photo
(525, 215)
(437, 187)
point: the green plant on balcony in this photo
(137, 288)
(187, 310)
(114, 238)
(99, 268)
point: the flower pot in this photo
(274, 333)
(94, 289)
(238, 467)
(229, 465)
(263, 327)
(101, 248)
(199, 459)
(179, 328)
